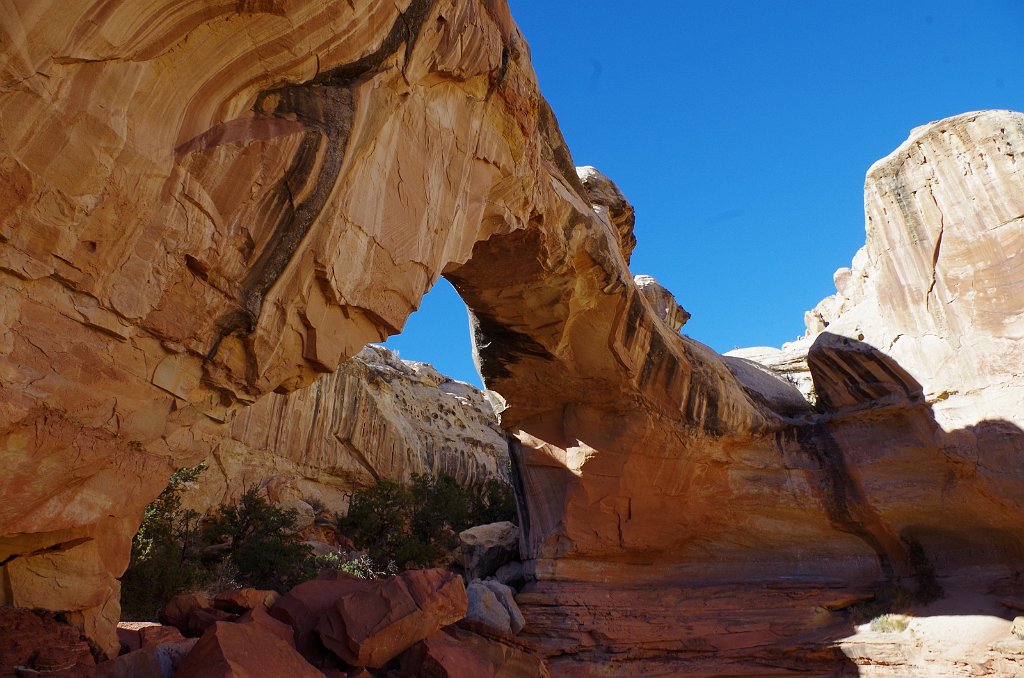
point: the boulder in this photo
(485, 548)
(486, 610)
(261, 617)
(229, 650)
(304, 605)
(35, 641)
(511, 574)
(156, 660)
(158, 634)
(176, 611)
(441, 656)
(459, 653)
(506, 596)
(128, 634)
(372, 626)
(237, 601)
(305, 516)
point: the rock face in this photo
(229, 650)
(906, 471)
(204, 206)
(35, 641)
(376, 418)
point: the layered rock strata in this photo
(376, 418)
(903, 475)
(204, 205)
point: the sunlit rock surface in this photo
(207, 204)
(376, 418)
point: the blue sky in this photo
(741, 133)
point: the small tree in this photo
(263, 545)
(164, 559)
(378, 520)
(415, 527)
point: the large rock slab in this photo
(484, 548)
(230, 650)
(304, 605)
(459, 653)
(374, 625)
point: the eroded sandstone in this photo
(376, 418)
(204, 206)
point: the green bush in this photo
(379, 520)
(262, 544)
(360, 565)
(165, 551)
(415, 527)
(251, 543)
(498, 503)
(890, 623)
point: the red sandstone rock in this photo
(243, 651)
(156, 660)
(312, 177)
(158, 635)
(441, 656)
(261, 617)
(192, 613)
(36, 641)
(175, 612)
(128, 634)
(459, 653)
(372, 626)
(238, 601)
(304, 605)
(202, 619)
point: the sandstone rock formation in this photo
(203, 206)
(905, 472)
(31, 640)
(229, 650)
(376, 418)
(375, 623)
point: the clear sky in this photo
(741, 132)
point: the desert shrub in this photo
(251, 543)
(498, 503)
(262, 543)
(890, 623)
(379, 520)
(415, 527)
(358, 565)
(165, 551)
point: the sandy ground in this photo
(964, 634)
